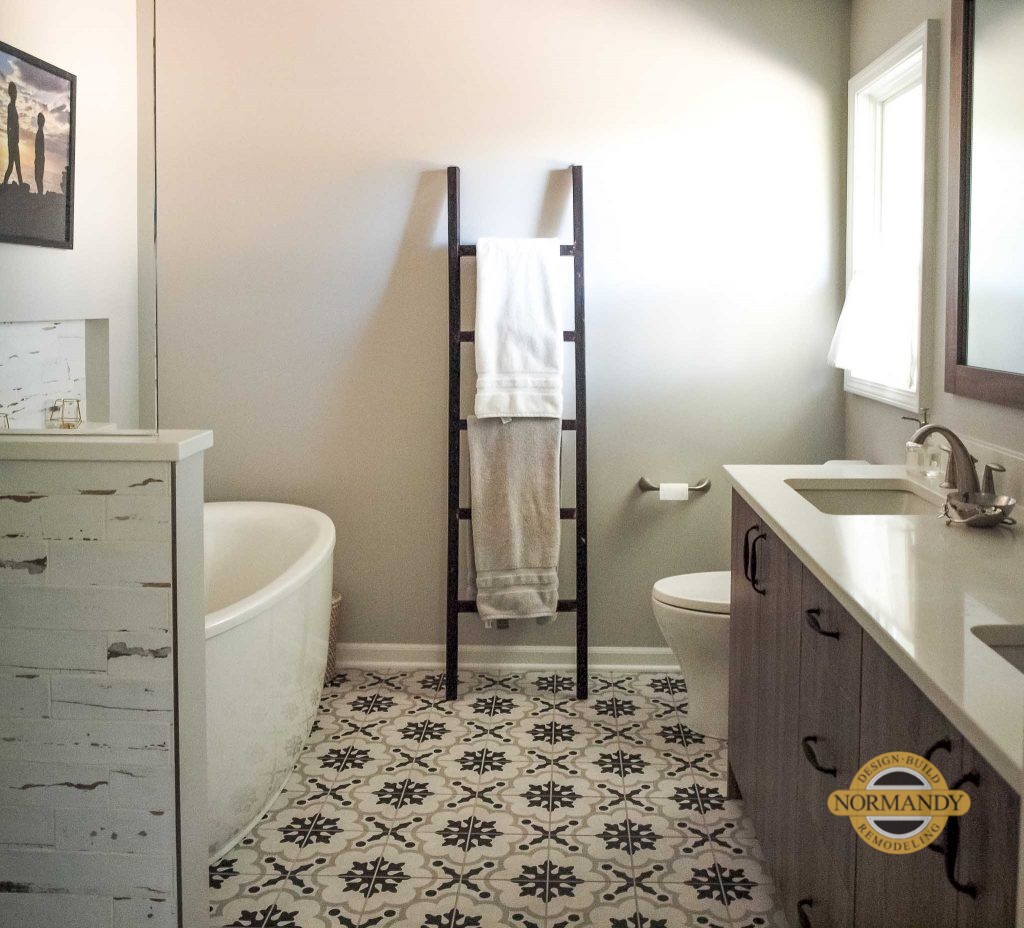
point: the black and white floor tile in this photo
(513, 807)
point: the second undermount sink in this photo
(1006, 640)
(867, 497)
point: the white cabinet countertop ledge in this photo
(918, 587)
(165, 445)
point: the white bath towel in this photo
(519, 343)
(516, 529)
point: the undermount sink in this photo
(840, 497)
(1006, 640)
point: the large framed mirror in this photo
(985, 290)
(77, 217)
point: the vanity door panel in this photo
(906, 889)
(988, 846)
(829, 726)
(780, 577)
(745, 606)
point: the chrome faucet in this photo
(964, 474)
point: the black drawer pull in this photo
(753, 564)
(746, 552)
(812, 757)
(801, 911)
(952, 849)
(812, 621)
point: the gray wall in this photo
(303, 302)
(873, 430)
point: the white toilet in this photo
(692, 611)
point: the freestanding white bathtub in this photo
(268, 601)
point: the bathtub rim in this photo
(320, 549)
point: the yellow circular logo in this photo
(898, 803)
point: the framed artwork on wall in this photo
(37, 151)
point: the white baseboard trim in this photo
(519, 657)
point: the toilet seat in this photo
(701, 592)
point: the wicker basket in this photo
(332, 641)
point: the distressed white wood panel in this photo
(18, 910)
(86, 741)
(24, 694)
(46, 871)
(53, 649)
(27, 825)
(55, 785)
(137, 518)
(76, 564)
(119, 609)
(100, 697)
(115, 830)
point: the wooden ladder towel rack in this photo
(457, 425)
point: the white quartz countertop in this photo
(918, 587)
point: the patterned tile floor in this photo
(514, 806)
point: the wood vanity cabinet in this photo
(812, 698)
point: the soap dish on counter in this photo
(979, 510)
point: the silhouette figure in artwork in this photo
(40, 154)
(13, 135)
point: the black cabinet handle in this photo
(952, 849)
(812, 757)
(943, 744)
(753, 564)
(801, 911)
(812, 621)
(746, 552)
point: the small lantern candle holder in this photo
(66, 413)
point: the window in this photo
(890, 209)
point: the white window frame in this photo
(886, 77)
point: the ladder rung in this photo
(465, 512)
(469, 251)
(470, 336)
(564, 605)
(568, 425)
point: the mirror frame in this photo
(1002, 387)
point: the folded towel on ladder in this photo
(518, 338)
(514, 477)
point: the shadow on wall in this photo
(392, 386)
(770, 28)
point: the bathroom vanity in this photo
(103, 777)
(861, 624)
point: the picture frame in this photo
(37, 156)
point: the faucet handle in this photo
(950, 480)
(988, 481)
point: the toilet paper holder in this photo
(646, 486)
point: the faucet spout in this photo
(966, 475)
